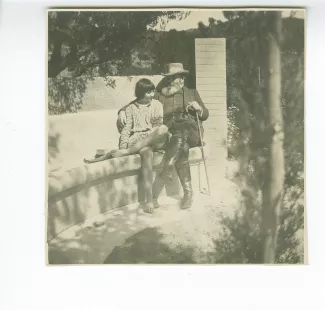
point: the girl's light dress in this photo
(141, 120)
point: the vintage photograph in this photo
(175, 136)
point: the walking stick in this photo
(202, 149)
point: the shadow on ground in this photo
(148, 247)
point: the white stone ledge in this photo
(75, 194)
(88, 173)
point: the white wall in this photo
(71, 137)
(99, 96)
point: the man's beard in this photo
(172, 89)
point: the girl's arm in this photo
(125, 134)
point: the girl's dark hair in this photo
(143, 86)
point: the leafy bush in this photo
(240, 241)
(65, 94)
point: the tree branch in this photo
(87, 66)
(296, 199)
(58, 63)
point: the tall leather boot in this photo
(174, 150)
(184, 174)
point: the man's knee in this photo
(162, 130)
(193, 140)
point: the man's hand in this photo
(121, 120)
(195, 106)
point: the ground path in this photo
(128, 235)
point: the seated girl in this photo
(143, 132)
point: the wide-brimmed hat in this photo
(174, 68)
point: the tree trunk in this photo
(272, 192)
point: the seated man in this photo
(180, 106)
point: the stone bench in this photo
(76, 191)
(82, 192)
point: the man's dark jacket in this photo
(175, 109)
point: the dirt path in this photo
(129, 236)
(189, 240)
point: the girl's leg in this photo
(157, 187)
(146, 171)
(157, 136)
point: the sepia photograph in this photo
(175, 136)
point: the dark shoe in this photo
(187, 200)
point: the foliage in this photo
(240, 241)
(248, 138)
(85, 44)
(65, 95)
(175, 46)
(80, 41)
(88, 44)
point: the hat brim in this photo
(174, 73)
